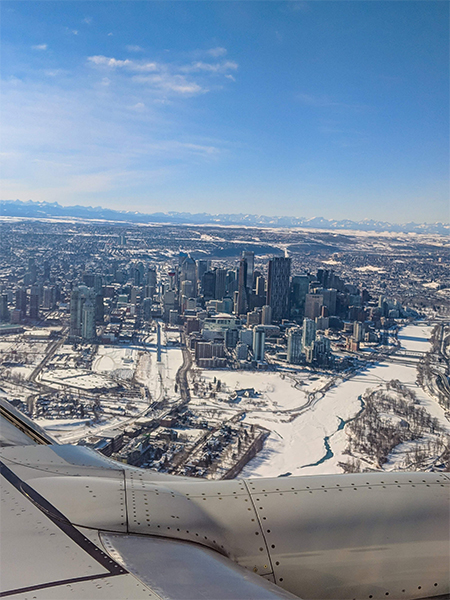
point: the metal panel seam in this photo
(125, 498)
(272, 572)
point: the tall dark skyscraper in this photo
(250, 260)
(34, 302)
(299, 290)
(278, 287)
(209, 285)
(221, 283)
(75, 313)
(21, 300)
(4, 312)
(202, 267)
(242, 306)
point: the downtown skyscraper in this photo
(278, 287)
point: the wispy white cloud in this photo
(171, 83)
(40, 47)
(132, 48)
(216, 52)
(108, 62)
(210, 67)
(131, 65)
(176, 148)
(87, 20)
(164, 76)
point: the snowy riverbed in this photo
(313, 443)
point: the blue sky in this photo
(325, 108)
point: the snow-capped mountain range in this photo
(49, 210)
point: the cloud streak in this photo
(40, 47)
(132, 48)
(166, 77)
(199, 66)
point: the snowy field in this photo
(415, 337)
(76, 378)
(69, 431)
(313, 442)
(116, 361)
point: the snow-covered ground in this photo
(76, 378)
(415, 337)
(116, 361)
(159, 378)
(314, 441)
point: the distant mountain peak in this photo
(49, 210)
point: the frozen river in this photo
(313, 443)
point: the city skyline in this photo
(330, 109)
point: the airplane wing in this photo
(54, 497)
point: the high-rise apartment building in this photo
(88, 320)
(294, 345)
(260, 286)
(147, 309)
(329, 300)
(32, 270)
(358, 331)
(75, 313)
(266, 316)
(21, 300)
(313, 305)
(259, 342)
(82, 323)
(278, 287)
(4, 312)
(308, 334)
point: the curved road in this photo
(181, 376)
